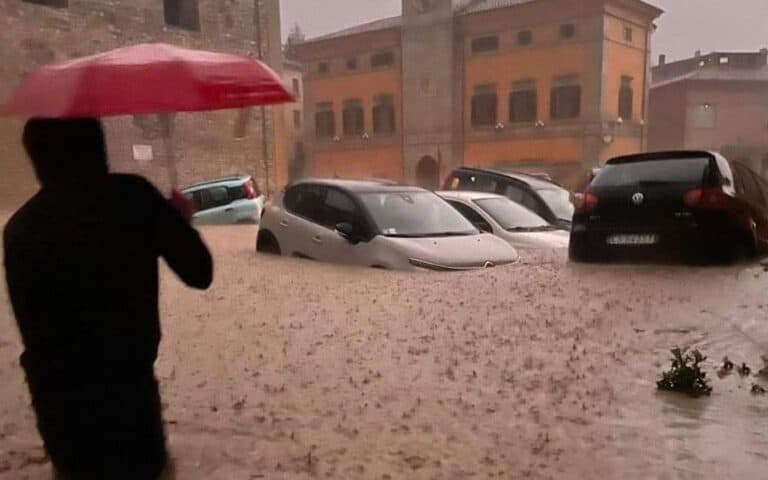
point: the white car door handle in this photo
(317, 239)
(284, 223)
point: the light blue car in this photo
(225, 201)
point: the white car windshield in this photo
(415, 214)
(559, 201)
(512, 216)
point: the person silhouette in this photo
(81, 262)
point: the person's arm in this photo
(180, 244)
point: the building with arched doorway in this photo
(546, 86)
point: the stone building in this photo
(294, 119)
(293, 77)
(553, 86)
(37, 32)
(717, 101)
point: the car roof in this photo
(232, 179)
(531, 180)
(663, 155)
(466, 195)
(360, 186)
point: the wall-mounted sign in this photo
(143, 154)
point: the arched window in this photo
(626, 98)
(353, 117)
(383, 115)
(325, 122)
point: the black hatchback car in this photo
(682, 203)
(549, 200)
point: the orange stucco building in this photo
(553, 86)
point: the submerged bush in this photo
(685, 375)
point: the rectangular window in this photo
(704, 116)
(382, 60)
(628, 34)
(567, 31)
(724, 60)
(485, 44)
(214, 197)
(565, 99)
(325, 120)
(296, 85)
(668, 170)
(182, 14)
(484, 109)
(383, 115)
(525, 37)
(626, 98)
(523, 103)
(352, 63)
(306, 200)
(50, 3)
(297, 119)
(353, 117)
(339, 208)
(322, 68)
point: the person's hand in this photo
(182, 205)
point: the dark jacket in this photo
(81, 261)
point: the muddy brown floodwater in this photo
(289, 369)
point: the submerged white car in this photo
(499, 215)
(376, 224)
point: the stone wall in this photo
(206, 145)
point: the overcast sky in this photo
(688, 25)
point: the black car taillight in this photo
(585, 202)
(712, 198)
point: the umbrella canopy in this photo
(144, 79)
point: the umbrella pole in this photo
(170, 159)
(166, 127)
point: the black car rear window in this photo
(668, 170)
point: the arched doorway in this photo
(428, 173)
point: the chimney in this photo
(662, 60)
(697, 54)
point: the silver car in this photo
(376, 224)
(227, 200)
(521, 227)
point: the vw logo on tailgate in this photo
(638, 198)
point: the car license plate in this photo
(642, 239)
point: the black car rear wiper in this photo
(651, 183)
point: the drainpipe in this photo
(262, 109)
(646, 89)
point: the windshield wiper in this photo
(542, 228)
(451, 234)
(429, 235)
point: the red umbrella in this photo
(143, 79)
(146, 79)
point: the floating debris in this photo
(764, 371)
(685, 375)
(758, 389)
(726, 368)
(744, 370)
